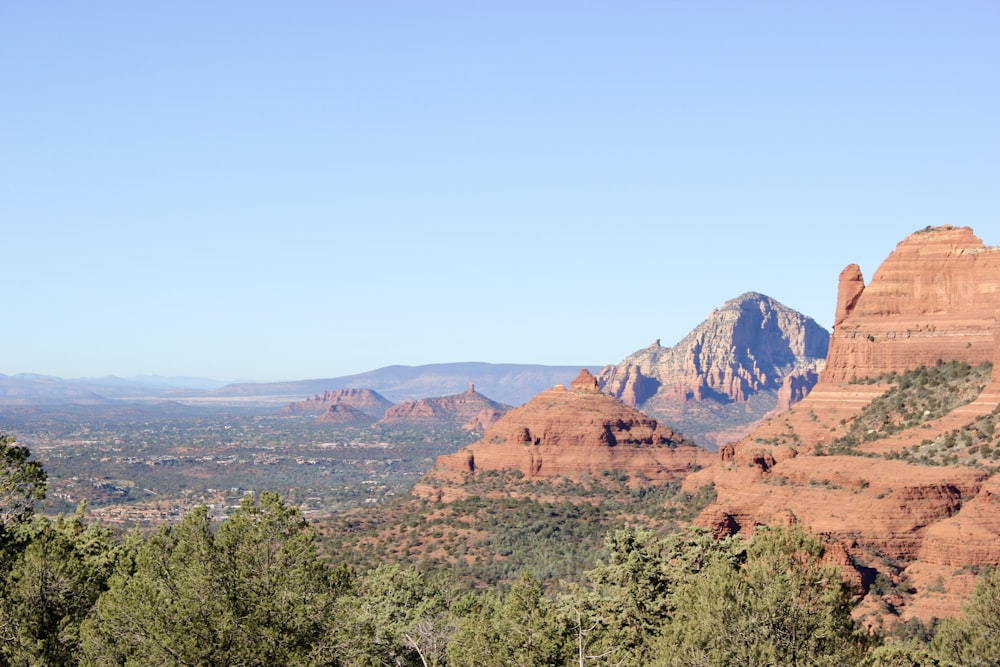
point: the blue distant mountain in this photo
(512, 384)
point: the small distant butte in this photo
(365, 401)
(469, 410)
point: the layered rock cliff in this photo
(925, 528)
(570, 433)
(469, 410)
(741, 354)
(935, 297)
(365, 401)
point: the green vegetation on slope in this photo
(917, 397)
(554, 529)
(976, 444)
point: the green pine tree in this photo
(974, 639)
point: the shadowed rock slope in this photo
(750, 356)
(897, 468)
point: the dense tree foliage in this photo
(974, 640)
(252, 593)
(779, 606)
(516, 628)
(393, 616)
(51, 587)
(22, 482)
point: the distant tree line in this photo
(255, 591)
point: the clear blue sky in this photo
(284, 190)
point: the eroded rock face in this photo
(470, 410)
(569, 432)
(935, 297)
(849, 290)
(747, 345)
(795, 387)
(364, 400)
(727, 373)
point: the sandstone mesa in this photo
(929, 529)
(568, 432)
(364, 401)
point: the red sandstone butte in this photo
(936, 297)
(569, 433)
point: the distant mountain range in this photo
(512, 384)
(508, 383)
(32, 388)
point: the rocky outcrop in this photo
(469, 410)
(483, 419)
(927, 527)
(747, 345)
(795, 387)
(365, 401)
(569, 433)
(741, 355)
(935, 297)
(345, 415)
(849, 290)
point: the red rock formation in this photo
(795, 387)
(470, 410)
(852, 284)
(365, 400)
(569, 432)
(739, 356)
(483, 419)
(747, 345)
(934, 298)
(342, 413)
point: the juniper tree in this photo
(974, 639)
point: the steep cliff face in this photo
(469, 410)
(569, 433)
(365, 401)
(925, 527)
(935, 297)
(795, 387)
(747, 345)
(740, 355)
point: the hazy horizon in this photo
(177, 380)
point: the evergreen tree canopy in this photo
(254, 593)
